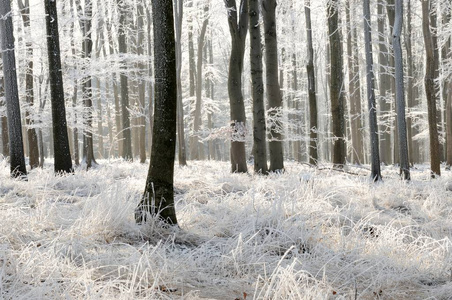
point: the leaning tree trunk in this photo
(337, 85)
(158, 198)
(238, 28)
(430, 89)
(313, 126)
(63, 162)
(16, 148)
(272, 84)
(259, 125)
(400, 92)
(373, 127)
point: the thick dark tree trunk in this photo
(430, 89)
(16, 148)
(259, 125)
(238, 28)
(337, 85)
(373, 127)
(313, 126)
(158, 198)
(272, 85)
(63, 163)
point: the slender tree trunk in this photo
(373, 127)
(238, 27)
(313, 123)
(16, 150)
(410, 84)
(400, 92)
(63, 163)
(337, 85)
(158, 198)
(4, 120)
(141, 82)
(259, 125)
(447, 94)
(430, 89)
(272, 86)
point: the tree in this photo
(336, 85)
(447, 54)
(31, 132)
(4, 119)
(374, 143)
(158, 197)
(16, 150)
(63, 163)
(238, 28)
(400, 92)
(430, 89)
(272, 85)
(259, 125)
(313, 126)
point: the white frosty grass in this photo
(305, 234)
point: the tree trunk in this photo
(313, 123)
(238, 29)
(158, 198)
(373, 127)
(141, 82)
(16, 148)
(430, 89)
(400, 92)
(259, 125)
(272, 86)
(4, 120)
(410, 85)
(337, 86)
(63, 163)
(447, 94)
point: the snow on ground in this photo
(305, 234)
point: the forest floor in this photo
(304, 234)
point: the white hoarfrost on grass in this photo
(305, 234)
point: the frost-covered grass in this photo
(305, 234)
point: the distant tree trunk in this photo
(430, 89)
(16, 150)
(178, 16)
(259, 125)
(31, 132)
(400, 92)
(126, 131)
(373, 127)
(337, 85)
(313, 126)
(63, 163)
(384, 89)
(272, 85)
(76, 153)
(158, 198)
(410, 84)
(4, 120)
(141, 82)
(191, 52)
(238, 27)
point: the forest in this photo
(235, 149)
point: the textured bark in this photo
(430, 89)
(272, 85)
(313, 126)
(337, 85)
(158, 198)
(31, 132)
(238, 28)
(259, 125)
(178, 16)
(400, 92)
(16, 148)
(126, 131)
(447, 94)
(63, 163)
(370, 77)
(384, 89)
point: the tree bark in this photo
(430, 89)
(158, 198)
(238, 27)
(447, 88)
(16, 148)
(4, 120)
(400, 92)
(337, 85)
(259, 125)
(63, 163)
(373, 127)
